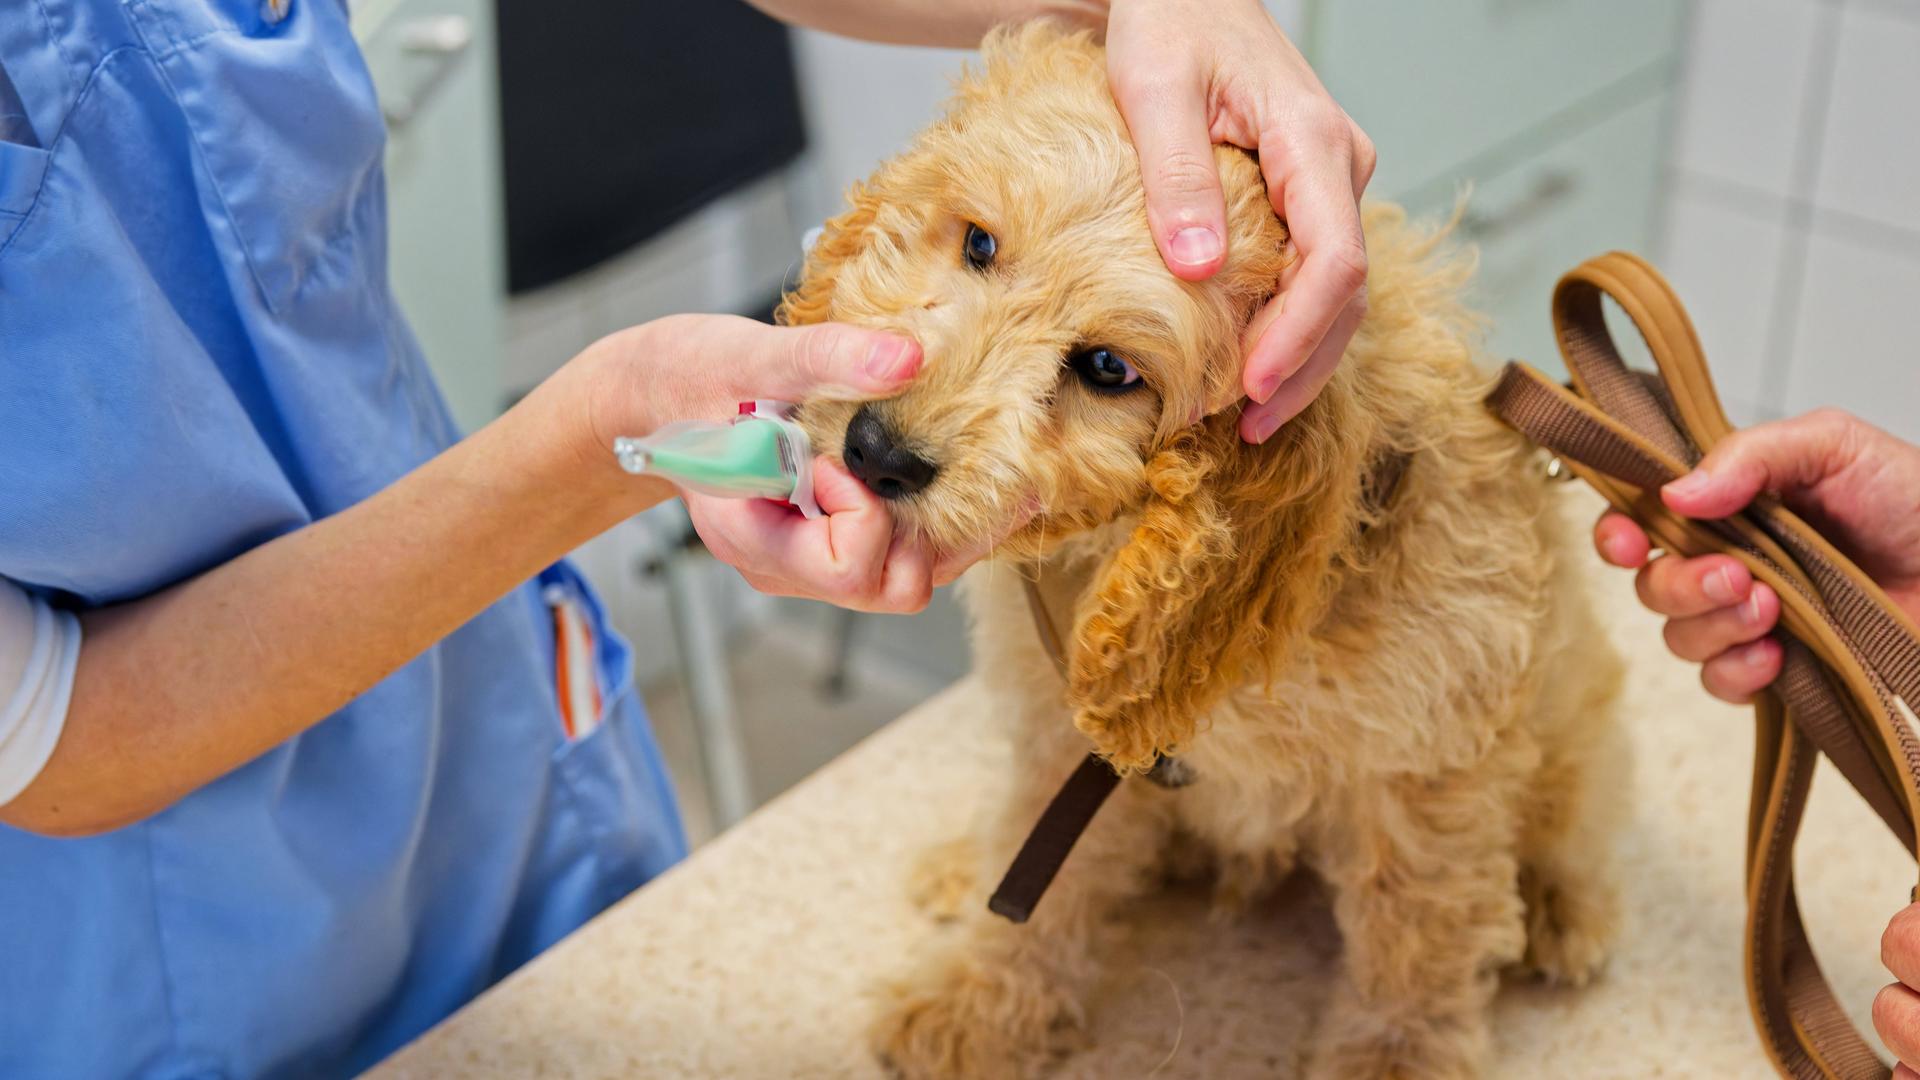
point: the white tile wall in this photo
(1793, 215)
(1870, 167)
(1855, 345)
(1747, 66)
(1725, 261)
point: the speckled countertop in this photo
(754, 958)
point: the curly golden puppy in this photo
(1361, 638)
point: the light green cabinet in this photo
(433, 63)
(1604, 194)
(1552, 114)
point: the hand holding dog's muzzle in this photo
(852, 556)
(1190, 73)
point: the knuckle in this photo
(1347, 262)
(1647, 586)
(1719, 685)
(819, 346)
(1325, 123)
(1365, 154)
(1846, 434)
(1894, 1019)
(1149, 82)
(1363, 148)
(1830, 418)
(1901, 939)
(1679, 642)
(761, 583)
(1184, 171)
(1361, 303)
(915, 596)
(848, 581)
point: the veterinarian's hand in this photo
(850, 557)
(1896, 1011)
(1191, 73)
(694, 367)
(1859, 485)
(701, 366)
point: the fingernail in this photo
(1195, 245)
(1265, 391)
(1694, 483)
(1265, 426)
(1719, 586)
(1750, 609)
(1754, 654)
(889, 357)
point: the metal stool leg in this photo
(701, 639)
(841, 624)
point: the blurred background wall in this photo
(1766, 152)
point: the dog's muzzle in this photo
(875, 456)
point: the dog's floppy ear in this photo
(841, 238)
(1232, 557)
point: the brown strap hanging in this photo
(1071, 811)
(1852, 659)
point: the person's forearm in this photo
(953, 23)
(180, 687)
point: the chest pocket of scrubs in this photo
(23, 164)
(286, 124)
(22, 168)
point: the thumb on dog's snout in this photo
(838, 360)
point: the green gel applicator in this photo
(760, 454)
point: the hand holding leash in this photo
(1859, 483)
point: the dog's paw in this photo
(968, 1019)
(945, 879)
(1569, 928)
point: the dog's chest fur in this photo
(1419, 668)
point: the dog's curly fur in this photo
(1408, 694)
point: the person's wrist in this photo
(564, 432)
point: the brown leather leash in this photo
(1852, 658)
(1067, 816)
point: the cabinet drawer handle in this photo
(1550, 190)
(439, 39)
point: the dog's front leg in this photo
(1008, 1000)
(1423, 871)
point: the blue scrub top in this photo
(199, 352)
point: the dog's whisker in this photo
(1180, 1020)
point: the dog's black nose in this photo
(890, 470)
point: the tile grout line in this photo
(1767, 208)
(1684, 71)
(1809, 146)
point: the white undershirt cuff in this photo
(39, 652)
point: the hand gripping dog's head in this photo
(1067, 368)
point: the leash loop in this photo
(1851, 670)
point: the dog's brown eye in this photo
(980, 247)
(1104, 370)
